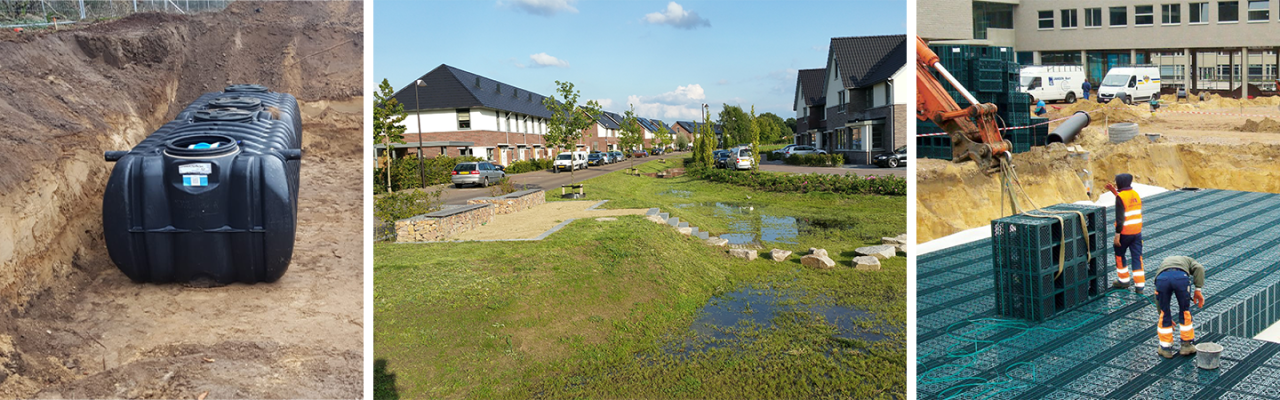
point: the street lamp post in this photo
(422, 172)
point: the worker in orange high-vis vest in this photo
(1174, 279)
(1128, 234)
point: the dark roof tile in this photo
(866, 60)
(449, 87)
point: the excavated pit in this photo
(74, 325)
(1195, 150)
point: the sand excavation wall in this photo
(65, 97)
(954, 197)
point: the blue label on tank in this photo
(195, 180)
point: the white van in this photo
(568, 161)
(1052, 82)
(1130, 84)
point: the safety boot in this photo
(1166, 352)
(1121, 285)
(1138, 290)
(1187, 349)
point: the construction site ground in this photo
(1221, 149)
(73, 325)
(1106, 348)
(534, 222)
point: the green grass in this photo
(603, 309)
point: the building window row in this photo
(1170, 14)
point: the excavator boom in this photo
(973, 131)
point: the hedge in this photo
(816, 160)
(404, 171)
(802, 183)
(388, 208)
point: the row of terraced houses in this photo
(459, 113)
(856, 104)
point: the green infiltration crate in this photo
(1030, 281)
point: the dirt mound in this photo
(953, 197)
(1114, 111)
(68, 96)
(1265, 125)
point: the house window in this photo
(1143, 15)
(1228, 11)
(1198, 13)
(1046, 19)
(870, 98)
(840, 107)
(1092, 17)
(464, 118)
(876, 131)
(1259, 10)
(1068, 19)
(1255, 70)
(1119, 16)
(1171, 14)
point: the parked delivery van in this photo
(1052, 82)
(1130, 84)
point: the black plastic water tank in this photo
(211, 195)
(282, 106)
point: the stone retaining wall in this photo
(514, 202)
(442, 225)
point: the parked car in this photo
(803, 149)
(740, 158)
(783, 150)
(476, 173)
(567, 161)
(655, 151)
(893, 160)
(721, 157)
(597, 159)
(639, 154)
(1130, 84)
(618, 156)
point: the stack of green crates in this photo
(1039, 133)
(990, 74)
(1026, 251)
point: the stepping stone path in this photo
(900, 242)
(604, 219)
(882, 252)
(817, 258)
(750, 255)
(716, 241)
(866, 263)
(819, 262)
(779, 254)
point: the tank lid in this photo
(246, 87)
(223, 115)
(240, 102)
(201, 146)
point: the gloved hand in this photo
(1199, 298)
(1112, 188)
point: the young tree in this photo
(630, 135)
(753, 131)
(737, 125)
(662, 137)
(388, 114)
(707, 136)
(568, 119)
(682, 142)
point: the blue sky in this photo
(665, 57)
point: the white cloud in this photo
(605, 103)
(684, 103)
(691, 93)
(544, 8)
(678, 17)
(545, 60)
(665, 111)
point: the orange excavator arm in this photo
(973, 131)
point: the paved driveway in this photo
(779, 166)
(545, 180)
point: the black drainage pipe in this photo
(1066, 132)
